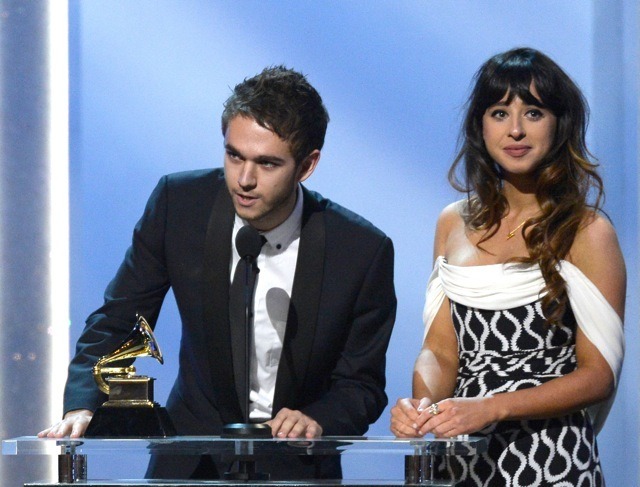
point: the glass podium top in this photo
(212, 445)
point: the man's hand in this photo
(73, 425)
(290, 423)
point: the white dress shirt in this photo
(277, 264)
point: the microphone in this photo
(248, 243)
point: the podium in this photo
(73, 454)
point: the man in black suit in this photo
(324, 299)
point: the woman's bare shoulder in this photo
(453, 213)
(595, 237)
(451, 217)
(596, 252)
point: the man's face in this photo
(261, 174)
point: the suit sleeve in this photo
(356, 396)
(139, 287)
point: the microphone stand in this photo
(247, 430)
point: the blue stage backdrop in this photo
(149, 78)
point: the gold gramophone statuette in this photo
(124, 388)
(130, 410)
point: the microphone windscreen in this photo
(248, 242)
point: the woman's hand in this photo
(407, 417)
(458, 416)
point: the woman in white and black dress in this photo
(523, 316)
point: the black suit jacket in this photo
(340, 319)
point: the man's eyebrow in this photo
(230, 148)
(268, 158)
(261, 159)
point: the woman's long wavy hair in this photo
(566, 179)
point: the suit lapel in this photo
(216, 305)
(304, 305)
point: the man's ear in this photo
(308, 165)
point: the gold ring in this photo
(433, 409)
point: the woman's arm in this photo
(434, 376)
(435, 370)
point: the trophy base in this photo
(130, 422)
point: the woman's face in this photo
(518, 135)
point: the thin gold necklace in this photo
(512, 233)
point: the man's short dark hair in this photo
(283, 101)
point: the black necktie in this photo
(241, 322)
